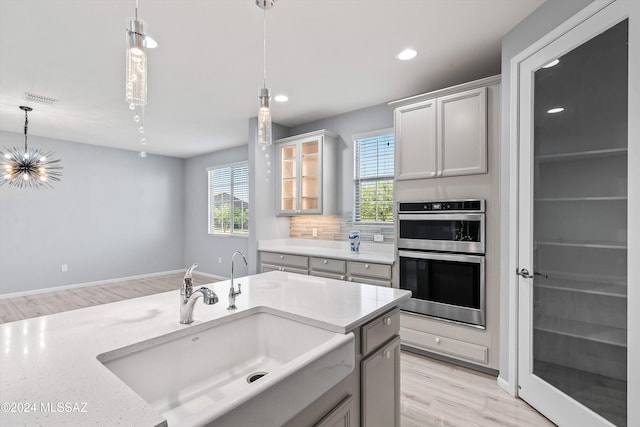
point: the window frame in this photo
(210, 207)
(357, 181)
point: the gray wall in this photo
(113, 215)
(544, 19)
(346, 125)
(201, 247)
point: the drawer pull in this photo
(342, 277)
(325, 261)
(387, 354)
(351, 279)
(281, 256)
(387, 321)
(438, 340)
(366, 266)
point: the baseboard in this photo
(447, 359)
(98, 282)
(503, 384)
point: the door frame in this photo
(510, 182)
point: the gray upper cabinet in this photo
(443, 133)
(306, 174)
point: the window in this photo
(373, 177)
(229, 200)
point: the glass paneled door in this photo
(572, 335)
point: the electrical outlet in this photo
(63, 268)
(378, 238)
(219, 260)
(314, 231)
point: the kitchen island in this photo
(50, 373)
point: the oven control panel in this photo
(449, 205)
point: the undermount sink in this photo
(250, 368)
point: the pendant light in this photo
(25, 167)
(136, 72)
(264, 112)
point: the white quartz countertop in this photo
(381, 253)
(49, 374)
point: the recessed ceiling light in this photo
(555, 110)
(552, 63)
(407, 54)
(281, 98)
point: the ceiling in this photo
(328, 56)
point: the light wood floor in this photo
(434, 393)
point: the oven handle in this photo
(478, 259)
(437, 217)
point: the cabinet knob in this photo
(281, 256)
(433, 174)
(439, 173)
(366, 266)
(387, 354)
(342, 277)
(438, 340)
(351, 279)
(281, 268)
(387, 321)
(325, 261)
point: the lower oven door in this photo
(448, 286)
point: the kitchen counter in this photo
(49, 374)
(381, 253)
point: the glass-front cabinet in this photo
(306, 174)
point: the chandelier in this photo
(28, 167)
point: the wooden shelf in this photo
(585, 244)
(591, 154)
(613, 288)
(582, 330)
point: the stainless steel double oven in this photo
(441, 257)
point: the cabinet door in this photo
(287, 178)
(381, 386)
(462, 133)
(340, 416)
(416, 150)
(311, 176)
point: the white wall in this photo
(113, 215)
(547, 17)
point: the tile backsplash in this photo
(336, 227)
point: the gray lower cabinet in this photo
(340, 416)
(271, 261)
(380, 387)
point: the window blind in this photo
(229, 200)
(373, 179)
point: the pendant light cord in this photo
(264, 47)
(26, 126)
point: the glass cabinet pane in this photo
(580, 223)
(310, 182)
(289, 173)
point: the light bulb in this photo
(136, 118)
(141, 129)
(43, 178)
(269, 164)
(43, 159)
(25, 176)
(131, 106)
(143, 154)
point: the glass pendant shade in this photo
(136, 78)
(264, 119)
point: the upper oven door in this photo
(442, 232)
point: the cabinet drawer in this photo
(327, 275)
(284, 259)
(380, 271)
(370, 281)
(327, 264)
(443, 345)
(380, 330)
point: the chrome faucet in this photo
(232, 292)
(188, 296)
